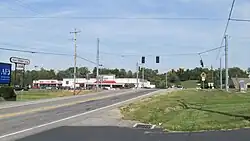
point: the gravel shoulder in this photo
(111, 117)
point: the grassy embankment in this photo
(189, 84)
(46, 94)
(192, 110)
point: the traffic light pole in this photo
(137, 75)
(143, 76)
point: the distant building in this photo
(237, 82)
(43, 84)
(103, 81)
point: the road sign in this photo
(20, 66)
(5, 73)
(203, 74)
(203, 79)
(19, 60)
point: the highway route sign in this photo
(5, 73)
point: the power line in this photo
(210, 50)
(226, 28)
(241, 20)
(115, 18)
(45, 53)
(26, 6)
(131, 55)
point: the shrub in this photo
(8, 93)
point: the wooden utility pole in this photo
(75, 56)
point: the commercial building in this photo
(103, 81)
(42, 84)
(240, 83)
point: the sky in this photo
(124, 41)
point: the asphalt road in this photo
(26, 120)
(31, 126)
(106, 133)
(56, 101)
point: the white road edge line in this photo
(75, 116)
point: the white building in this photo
(37, 84)
(104, 81)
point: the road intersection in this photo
(94, 117)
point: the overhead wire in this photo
(113, 18)
(45, 53)
(26, 6)
(210, 50)
(241, 20)
(226, 28)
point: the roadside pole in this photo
(226, 61)
(137, 75)
(143, 75)
(75, 55)
(166, 80)
(221, 74)
(97, 64)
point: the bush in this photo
(8, 93)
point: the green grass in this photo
(205, 110)
(189, 84)
(45, 94)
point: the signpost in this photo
(17, 60)
(5, 73)
(20, 64)
(203, 78)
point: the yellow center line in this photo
(49, 107)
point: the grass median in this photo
(192, 110)
(46, 94)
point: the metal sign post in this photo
(20, 63)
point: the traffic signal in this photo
(143, 60)
(157, 59)
(202, 65)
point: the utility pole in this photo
(166, 80)
(75, 55)
(142, 76)
(97, 63)
(221, 74)
(226, 61)
(137, 75)
(212, 72)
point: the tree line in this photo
(154, 76)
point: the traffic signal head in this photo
(157, 59)
(143, 60)
(202, 65)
